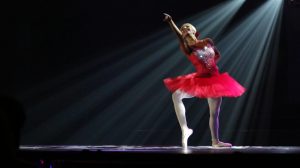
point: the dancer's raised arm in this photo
(183, 46)
(173, 26)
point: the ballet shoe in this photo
(186, 133)
(217, 143)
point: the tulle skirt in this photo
(218, 85)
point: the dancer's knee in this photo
(214, 112)
(176, 95)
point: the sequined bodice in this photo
(204, 60)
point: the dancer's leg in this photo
(177, 97)
(214, 110)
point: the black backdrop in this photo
(51, 36)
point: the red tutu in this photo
(219, 85)
(207, 82)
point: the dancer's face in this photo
(188, 33)
(187, 28)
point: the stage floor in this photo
(77, 156)
(166, 149)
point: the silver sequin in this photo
(206, 55)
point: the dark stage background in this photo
(54, 36)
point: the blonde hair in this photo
(188, 24)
